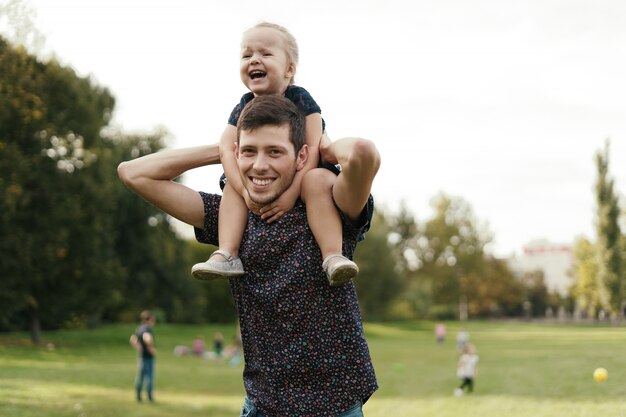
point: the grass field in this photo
(525, 370)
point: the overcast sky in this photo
(502, 103)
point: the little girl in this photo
(467, 369)
(269, 56)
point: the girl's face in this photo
(265, 66)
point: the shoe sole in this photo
(342, 274)
(211, 275)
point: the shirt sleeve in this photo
(234, 115)
(362, 224)
(303, 100)
(211, 211)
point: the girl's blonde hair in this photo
(291, 46)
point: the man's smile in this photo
(261, 181)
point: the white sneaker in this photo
(229, 268)
(341, 271)
(458, 392)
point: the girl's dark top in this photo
(298, 96)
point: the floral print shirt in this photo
(304, 348)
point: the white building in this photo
(555, 260)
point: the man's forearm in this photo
(151, 177)
(168, 164)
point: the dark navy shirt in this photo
(304, 348)
(298, 95)
(139, 332)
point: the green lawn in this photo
(525, 370)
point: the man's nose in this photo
(260, 163)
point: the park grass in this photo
(525, 370)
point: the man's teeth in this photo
(259, 181)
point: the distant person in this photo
(143, 341)
(269, 57)
(197, 346)
(462, 338)
(467, 369)
(218, 344)
(233, 352)
(440, 333)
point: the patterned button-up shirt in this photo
(304, 348)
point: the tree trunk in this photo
(35, 327)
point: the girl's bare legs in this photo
(325, 223)
(225, 262)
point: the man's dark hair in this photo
(272, 110)
(145, 315)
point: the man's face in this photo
(267, 162)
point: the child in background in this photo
(467, 369)
(269, 56)
(440, 333)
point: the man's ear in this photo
(302, 157)
(236, 150)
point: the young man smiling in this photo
(305, 352)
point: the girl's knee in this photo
(317, 180)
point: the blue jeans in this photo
(250, 410)
(145, 372)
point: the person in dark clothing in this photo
(143, 341)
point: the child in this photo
(467, 369)
(269, 56)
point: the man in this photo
(143, 342)
(304, 348)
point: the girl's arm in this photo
(228, 159)
(274, 211)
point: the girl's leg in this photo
(225, 262)
(325, 223)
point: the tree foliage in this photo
(587, 289)
(446, 268)
(77, 247)
(50, 121)
(379, 283)
(610, 265)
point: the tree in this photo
(493, 290)
(378, 284)
(55, 249)
(450, 251)
(610, 262)
(586, 289)
(155, 261)
(77, 247)
(215, 301)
